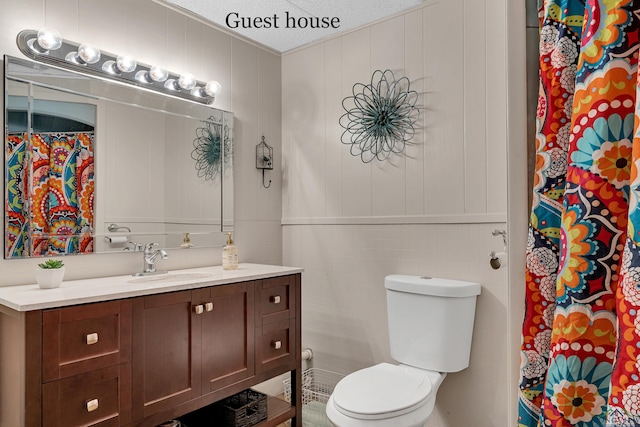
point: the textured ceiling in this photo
(274, 13)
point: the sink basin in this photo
(170, 277)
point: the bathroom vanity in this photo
(123, 351)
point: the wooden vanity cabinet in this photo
(190, 343)
(141, 361)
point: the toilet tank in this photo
(431, 321)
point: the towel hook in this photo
(115, 227)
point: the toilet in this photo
(430, 329)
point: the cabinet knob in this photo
(92, 405)
(277, 345)
(208, 306)
(92, 338)
(275, 299)
(199, 309)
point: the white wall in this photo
(429, 212)
(456, 165)
(152, 33)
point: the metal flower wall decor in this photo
(380, 117)
(212, 148)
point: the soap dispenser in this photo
(229, 255)
(186, 242)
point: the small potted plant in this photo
(50, 274)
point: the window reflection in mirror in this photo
(138, 160)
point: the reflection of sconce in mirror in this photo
(48, 46)
(264, 159)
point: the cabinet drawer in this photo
(275, 300)
(83, 338)
(91, 399)
(275, 345)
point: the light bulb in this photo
(46, 39)
(187, 81)
(213, 88)
(143, 76)
(172, 84)
(49, 38)
(158, 74)
(88, 54)
(126, 64)
(110, 67)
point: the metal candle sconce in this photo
(264, 159)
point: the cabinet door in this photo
(227, 334)
(166, 352)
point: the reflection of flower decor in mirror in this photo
(212, 145)
(380, 117)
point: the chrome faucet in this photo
(150, 256)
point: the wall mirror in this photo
(95, 166)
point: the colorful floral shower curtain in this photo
(58, 190)
(581, 332)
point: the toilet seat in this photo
(382, 391)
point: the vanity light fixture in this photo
(48, 46)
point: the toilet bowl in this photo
(384, 395)
(430, 330)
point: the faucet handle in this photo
(149, 246)
(136, 247)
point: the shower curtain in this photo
(581, 332)
(49, 204)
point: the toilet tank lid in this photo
(431, 286)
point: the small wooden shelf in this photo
(279, 411)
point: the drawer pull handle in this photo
(199, 309)
(208, 306)
(277, 345)
(275, 299)
(92, 338)
(92, 405)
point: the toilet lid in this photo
(381, 391)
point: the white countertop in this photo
(31, 297)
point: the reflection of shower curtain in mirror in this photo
(59, 194)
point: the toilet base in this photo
(415, 418)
